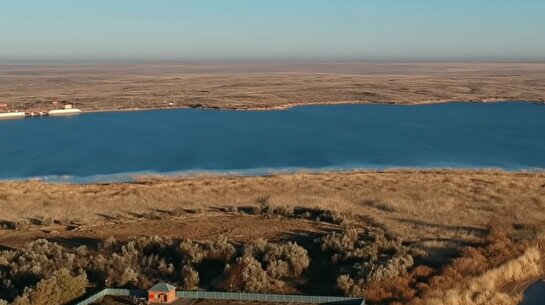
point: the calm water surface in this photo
(106, 146)
(535, 294)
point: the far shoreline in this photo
(295, 105)
(265, 86)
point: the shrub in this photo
(190, 278)
(134, 263)
(368, 257)
(18, 225)
(349, 287)
(271, 210)
(255, 279)
(387, 269)
(129, 276)
(351, 245)
(220, 247)
(178, 212)
(264, 264)
(192, 253)
(59, 289)
(46, 221)
(287, 259)
(486, 288)
(108, 242)
(154, 215)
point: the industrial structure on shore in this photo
(68, 109)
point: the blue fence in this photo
(235, 296)
(261, 297)
(113, 292)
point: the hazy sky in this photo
(267, 29)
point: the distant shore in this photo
(294, 105)
(265, 86)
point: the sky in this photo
(374, 30)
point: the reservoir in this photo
(111, 146)
(535, 294)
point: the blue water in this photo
(535, 294)
(104, 146)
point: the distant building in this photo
(3, 106)
(162, 293)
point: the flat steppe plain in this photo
(265, 85)
(419, 205)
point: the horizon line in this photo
(22, 61)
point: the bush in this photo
(349, 287)
(350, 245)
(190, 278)
(271, 210)
(387, 269)
(265, 264)
(368, 257)
(46, 221)
(288, 259)
(108, 242)
(220, 247)
(178, 212)
(62, 287)
(192, 253)
(17, 225)
(138, 262)
(255, 279)
(319, 214)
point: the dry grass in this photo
(472, 233)
(266, 85)
(486, 288)
(435, 207)
(477, 276)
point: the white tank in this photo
(59, 112)
(12, 115)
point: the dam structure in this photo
(66, 111)
(12, 115)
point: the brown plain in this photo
(418, 205)
(262, 85)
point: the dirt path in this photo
(240, 228)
